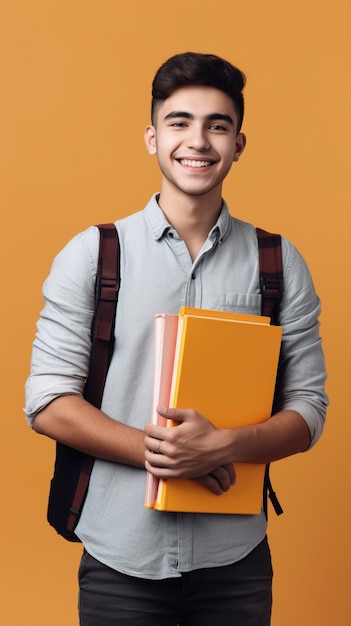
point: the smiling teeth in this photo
(195, 163)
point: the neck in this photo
(191, 216)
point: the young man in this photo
(141, 566)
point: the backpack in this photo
(72, 469)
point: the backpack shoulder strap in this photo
(271, 287)
(102, 339)
(103, 324)
(271, 273)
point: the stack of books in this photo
(224, 366)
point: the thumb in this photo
(169, 413)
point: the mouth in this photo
(195, 163)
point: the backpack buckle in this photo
(106, 289)
(271, 288)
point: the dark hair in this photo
(192, 68)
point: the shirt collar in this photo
(159, 224)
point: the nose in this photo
(198, 139)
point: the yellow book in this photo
(165, 341)
(229, 315)
(225, 368)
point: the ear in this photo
(240, 144)
(150, 139)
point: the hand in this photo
(192, 449)
(219, 480)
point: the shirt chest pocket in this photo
(249, 303)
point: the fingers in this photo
(155, 457)
(210, 483)
(224, 475)
(219, 480)
(178, 415)
(153, 444)
(231, 472)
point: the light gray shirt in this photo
(158, 276)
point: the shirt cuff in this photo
(42, 390)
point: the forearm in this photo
(284, 434)
(75, 422)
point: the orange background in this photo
(74, 102)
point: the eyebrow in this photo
(211, 117)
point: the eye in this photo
(218, 127)
(178, 125)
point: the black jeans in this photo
(233, 595)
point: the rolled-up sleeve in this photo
(302, 373)
(61, 350)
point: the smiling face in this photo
(196, 142)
